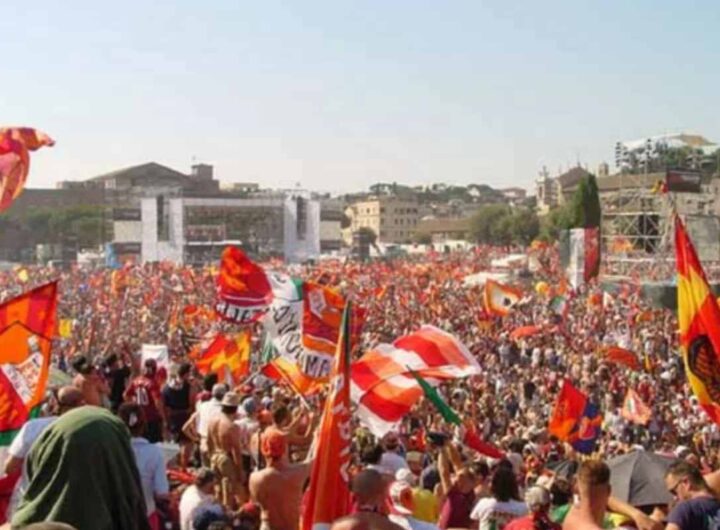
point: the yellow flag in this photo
(65, 328)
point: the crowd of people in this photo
(242, 453)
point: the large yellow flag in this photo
(699, 321)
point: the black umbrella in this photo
(564, 468)
(638, 478)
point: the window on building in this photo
(382, 209)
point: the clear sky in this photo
(339, 94)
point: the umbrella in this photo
(638, 478)
(564, 468)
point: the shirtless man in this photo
(593, 487)
(370, 490)
(278, 487)
(225, 450)
(93, 387)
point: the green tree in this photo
(488, 226)
(557, 219)
(524, 225)
(585, 204)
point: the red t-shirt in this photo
(146, 393)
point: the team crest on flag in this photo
(499, 298)
(699, 322)
(27, 325)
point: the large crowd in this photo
(241, 456)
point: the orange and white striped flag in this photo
(383, 386)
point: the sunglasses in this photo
(673, 490)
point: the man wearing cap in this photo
(278, 478)
(224, 447)
(198, 496)
(538, 502)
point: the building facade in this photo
(196, 230)
(392, 220)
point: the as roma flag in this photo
(328, 495)
(15, 146)
(699, 321)
(27, 325)
(568, 411)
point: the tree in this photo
(485, 225)
(524, 226)
(585, 204)
(367, 233)
(557, 219)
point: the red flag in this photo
(618, 355)
(474, 442)
(15, 144)
(243, 288)
(328, 496)
(568, 410)
(525, 331)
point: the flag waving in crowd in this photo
(328, 495)
(27, 326)
(15, 145)
(575, 419)
(699, 321)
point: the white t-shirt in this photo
(492, 513)
(192, 499)
(153, 474)
(20, 447)
(206, 411)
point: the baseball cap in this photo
(249, 405)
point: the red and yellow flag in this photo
(228, 357)
(15, 144)
(328, 496)
(699, 321)
(27, 326)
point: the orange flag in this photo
(499, 299)
(618, 355)
(699, 321)
(328, 496)
(228, 357)
(15, 144)
(27, 326)
(634, 409)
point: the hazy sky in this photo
(339, 94)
